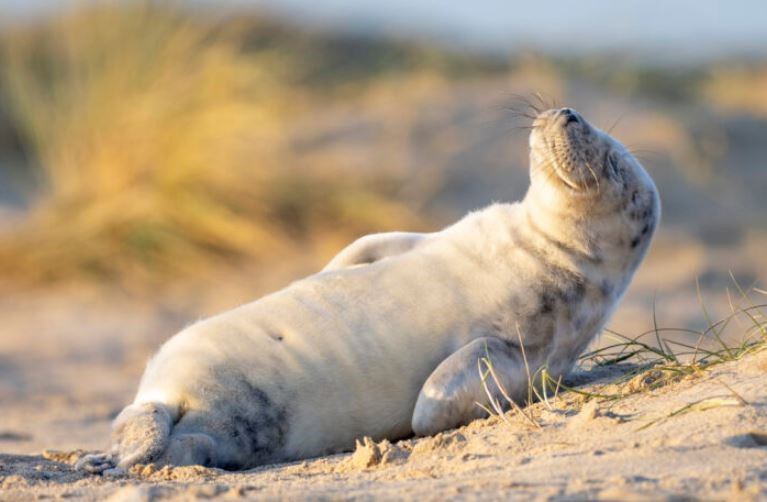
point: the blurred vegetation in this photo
(737, 87)
(165, 141)
(161, 139)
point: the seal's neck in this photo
(568, 222)
(591, 232)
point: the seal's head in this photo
(577, 164)
(588, 187)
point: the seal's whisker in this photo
(542, 101)
(519, 129)
(526, 111)
(644, 154)
(532, 106)
(616, 122)
(549, 169)
(582, 179)
(593, 174)
(528, 105)
(555, 152)
(633, 150)
(523, 114)
(552, 160)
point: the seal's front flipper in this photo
(450, 395)
(374, 247)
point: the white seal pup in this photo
(384, 342)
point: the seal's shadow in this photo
(582, 376)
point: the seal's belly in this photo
(344, 353)
(373, 345)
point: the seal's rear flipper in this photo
(190, 449)
(140, 435)
(96, 463)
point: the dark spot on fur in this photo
(547, 303)
(574, 292)
(258, 425)
(606, 288)
(511, 346)
(276, 336)
(569, 289)
(613, 171)
(640, 237)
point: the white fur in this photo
(344, 353)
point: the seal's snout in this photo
(569, 116)
(558, 118)
(564, 143)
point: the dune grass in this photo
(650, 360)
(162, 144)
(737, 87)
(164, 140)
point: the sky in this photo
(666, 29)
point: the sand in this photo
(702, 436)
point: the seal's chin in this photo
(563, 147)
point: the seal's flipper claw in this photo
(96, 463)
(114, 472)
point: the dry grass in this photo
(166, 142)
(652, 364)
(737, 88)
(162, 142)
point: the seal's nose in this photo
(569, 115)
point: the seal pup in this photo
(384, 341)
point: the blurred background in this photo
(163, 161)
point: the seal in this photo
(385, 340)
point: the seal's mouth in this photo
(563, 142)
